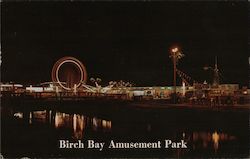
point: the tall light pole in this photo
(175, 54)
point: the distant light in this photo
(51, 85)
(245, 92)
(18, 115)
(175, 49)
(183, 88)
(11, 85)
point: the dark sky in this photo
(125, 40)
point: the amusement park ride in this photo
(69, 74)
(69, 78)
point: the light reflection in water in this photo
(30, 118)
(207, 138)
(37, 116)
(78, 126)
(75, 122)
(216, 138)
(18, 115)
(99, 124)
(79, 123)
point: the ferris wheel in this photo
(69, 73)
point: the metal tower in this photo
(216, 81)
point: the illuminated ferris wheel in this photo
(69, 73)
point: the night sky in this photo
(125, 40)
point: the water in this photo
(28, 131)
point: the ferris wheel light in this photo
(75, 62)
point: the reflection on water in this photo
(75, 122)
(207, 138)
(63, 120)
(39, 116)
(78, 126)
(101, 124)
(18, 115)
(216, 138)
(78, 123)
(73, 126)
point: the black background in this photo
(124, 40)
